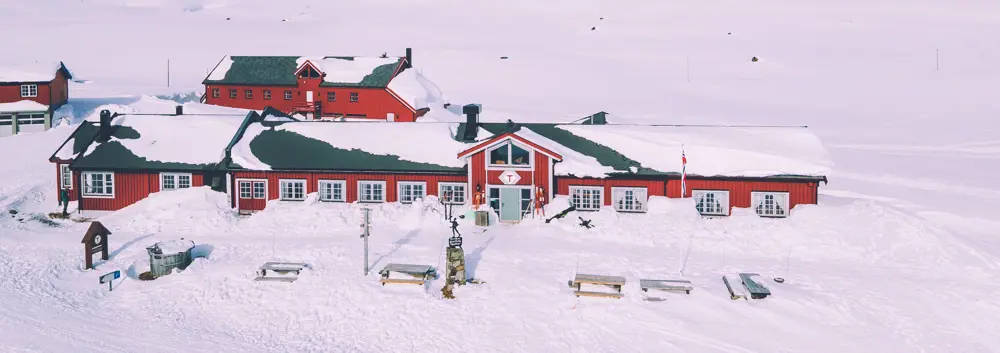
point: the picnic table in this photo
(734, 293)
(757, 290)
(670, 285)
(419, 273)
(615, 282)
(280, 271)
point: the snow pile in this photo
(198, 210)
(345, 70)
(174, 246)
(422, 143)
(729, 151)
(416, 90)
(23, 106)
(220, 71)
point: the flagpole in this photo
(683, 173)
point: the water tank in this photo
(168, 255)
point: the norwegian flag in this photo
(684, 163)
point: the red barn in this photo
(381, 88)
(28, 97)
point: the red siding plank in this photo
(374, 103)
(129, 189)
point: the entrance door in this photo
(252, 195)
(309, 96)
(510, 204)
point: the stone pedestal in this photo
(456, 266)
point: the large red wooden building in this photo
(28, 97)
(381, 88)
(270, 157)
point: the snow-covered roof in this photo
(715, 151)
(219, 73)
(345, 69)
(573, 162)
(415, 89)
(31, 72)
(23, 106)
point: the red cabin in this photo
(28, 97)
(380, 88)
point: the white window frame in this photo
(103, 194)
(216, 93)
(281, 189)
(464, 193)
(331, 183)
(63, 171)
(510, 154)
(176, 180)
(722, 196)
(248, 93)
(355, 97)
(29, 91)
(573, 189)
(638, 205)
(266, 94)
(361, 190)
(757, 198)
(402, 196)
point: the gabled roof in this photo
(509, 136)
(38, 72)
(76, 143)
(340, 71)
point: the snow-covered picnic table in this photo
(615, 282)
(666, 285)
(420, 273)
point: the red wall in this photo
(653, 187)
(478, 168)
(739, 191)
(129, 189)
(375, 103)
(541, 175)
(59, 90)
(12, 93)
(312, 182)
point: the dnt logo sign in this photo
(509, 177)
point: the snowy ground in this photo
(901, 255)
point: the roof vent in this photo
(409, 58)
(104, 129)
(180, 110)
(471, 121)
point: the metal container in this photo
(168, 255)
(482, 218)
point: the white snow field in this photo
(901, 254)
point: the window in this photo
(629, 199)
(6, 120)
(174, 181)
(232, 93)
(371, 191)
(410, 191)
(331, 96)
(509, 153)
(711, 203)
(770, 204)
(308, 72)
(251, 189)
(495, 199)
(288, 95)
(258, 189)
(354, 96)
(525, 201)
(294, 190)
(267, 94)
(29, 90)
(215, 93)
(332, 190)
(586, 198)
(31, 119)
(248, 93)
(245, 190)
(65, 176)
(452, 193)
(99, 184)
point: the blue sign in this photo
(111, 276)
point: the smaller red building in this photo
(380, 88)
(28, 97)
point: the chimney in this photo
(471, 121)
(104, 129)
(180, 110)
(409, 58)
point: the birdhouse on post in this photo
(96, 240)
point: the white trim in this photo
(251, 181)
(361, 190)
(469, 153)
(62, 176)
(84, 180)
(465, 191)
(599, 189)
(782, 202)
(399, 190)
(177, 180)
(343, 190)
(721, 196)
(281, 189)
(508, 143)
(28, 87)
(643, 204)
(552, 181)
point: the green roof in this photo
(78, 141)
(112, 155)
(272, 148)
(280, 70)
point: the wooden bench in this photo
(732, 292)
(280, 271)
(615, 282)
(420, 273)
(669, 285)
(757, 290)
